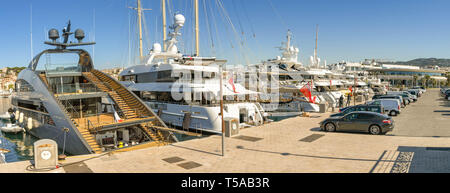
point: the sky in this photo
(240, 31)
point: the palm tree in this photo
(415, 77)
(427, 78)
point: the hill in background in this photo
(422, 62)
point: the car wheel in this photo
(330, 127)
(374, 130)
(393, 113)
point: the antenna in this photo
(31, 31)
(53, 34)
(315, 49)
(93, 46)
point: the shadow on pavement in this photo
(304, 155)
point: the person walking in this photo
(349, 99)
(341, 101)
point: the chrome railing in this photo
(74, 88)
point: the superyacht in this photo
(185, 89)
(60, 96)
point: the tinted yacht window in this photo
(23, 86)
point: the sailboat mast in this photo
(164, 23)
(141, 55)
(288, 43)
(197, 52)
(315, 49)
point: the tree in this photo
(415, 78)
(448, 78)
(427, 79)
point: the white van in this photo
(390, 106)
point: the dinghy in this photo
(11, 128)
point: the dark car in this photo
(413, 92)
(359, 121)
(370, 108)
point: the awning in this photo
(440, 78)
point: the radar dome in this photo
(156, 48)
(179, 19)
(53, 34)
(173, 49)
(79, 34)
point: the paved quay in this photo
(293, 145)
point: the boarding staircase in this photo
(87, 136)
(130, 106)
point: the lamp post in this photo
(221, 110)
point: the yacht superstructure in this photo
(60, 96)
(185, 89)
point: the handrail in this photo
(72, 88)
(71, 107)
(89, 122)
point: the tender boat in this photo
(6, 115)
(12, 128)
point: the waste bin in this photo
(322, 108)
(359, 98)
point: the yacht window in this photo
(129, 78)
(23, 86)
(62, 62)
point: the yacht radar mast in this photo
(54, 35)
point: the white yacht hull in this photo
(207, 118)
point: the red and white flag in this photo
(232, 84)
(306, 90)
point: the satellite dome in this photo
(179, 19)
(79, 34)
(53, 34)
(156, 48)
(173, 49)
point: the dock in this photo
(293, 145)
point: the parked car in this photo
(399, 98)
(446, 93)
(418, 92)
(370, 108)
(421, 88)
(413, 97)
(447, 96)
(414, 92)
(359, 121)
(390, 106)
(444, 90)
(404, 94)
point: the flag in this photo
(306, 90)
(232, 83)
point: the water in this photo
(279, 118)
(20, 145)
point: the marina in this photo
(208, 93)
(281, 146)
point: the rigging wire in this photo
(248, 18)
(238, 16)
(241, 44)
(211, 41)
(278, 15)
